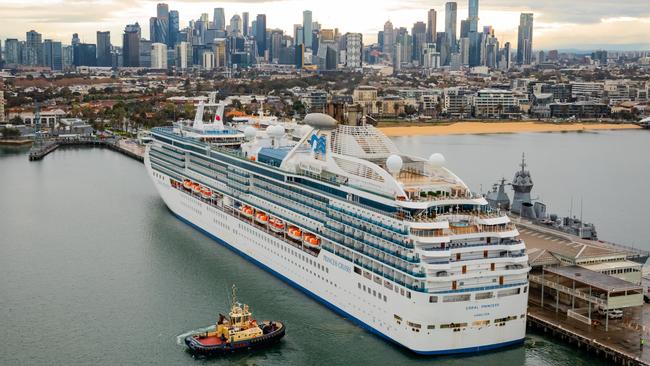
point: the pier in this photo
(123, 146)
(564, 294)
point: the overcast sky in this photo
(581, 24)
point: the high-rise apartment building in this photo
(84, 54)
(525, 39)
(174, 28)
(353, 50)
(419, 33)
(236, 25)
(389, 39)
(432, 18)
(131, 46)
(13, 51)
(52, 55)
(104, 49)
(159, 56)
(307, 27)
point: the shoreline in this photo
(481, 128)
(15, 142)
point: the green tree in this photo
(10, 133)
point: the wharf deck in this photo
(123, 146)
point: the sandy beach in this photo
(475, 128)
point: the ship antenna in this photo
(523, 161)
(234, 295)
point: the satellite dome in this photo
(437, 160)
(277, 131)
(269, 130)
(250, 132)
(320, 121)
(394, 164)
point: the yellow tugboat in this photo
(237, 332)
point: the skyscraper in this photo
(307, 28)
(13, 51)
(419, 33)
(451, 20)
(473, 16)
(131, 45)
(432, 18)
(235, 25)
(84, 54)
(260, 34)
(162, 11)
(353, 50)
(219, 19)
(159, 56)
(174, 28)
(104, 49)
(33, 51)
(52, 55)
(389, 39)
(525, 39)
(244, 24)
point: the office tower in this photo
(144, 58)
(104, 49)
(13, 51)
(432, 18)
(162, 11)
(307, 28)
(235, 25)
(84, 54)
(174, 28)
(525, 39)
(299, 61)
(275, 45)
(207, 60)
(131, 46)
(53, 55)
(75, 39)
(389, 39)
(33, 50)
(260, 34)
(473, 16)
(506, 57)
(463, 45)
(298, 35)
(353, 50)
(245, 23)
(451, 19)
(219, 20)
(464, 28)
(419, 33)
(159, 56)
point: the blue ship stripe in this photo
(339, 310)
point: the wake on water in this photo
(180, 339)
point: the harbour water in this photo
(95, 270)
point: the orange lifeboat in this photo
(262, 218)
(206, 192)
(294, 233)
(311, 241)
(187, 184)
(196, 187)
(276, 225)
(247, 211)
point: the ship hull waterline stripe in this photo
(339, 310)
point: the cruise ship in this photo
(396, 243)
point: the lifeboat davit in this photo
(247, 211)
(276, 225)
(294, 233)
(311, 241)
(187, 184)
(262, 218)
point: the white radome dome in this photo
(250, 132)
(437, 160)
(277, 131)
(394, 164)
(269, 130)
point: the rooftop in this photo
(593, 279)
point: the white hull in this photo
(332, 280)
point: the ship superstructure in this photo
(397, 243)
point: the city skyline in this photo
(604, 25)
